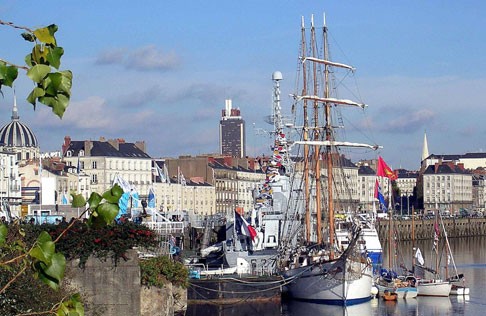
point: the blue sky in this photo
(160, 71)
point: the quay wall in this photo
(424, 228)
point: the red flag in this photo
(385, 171)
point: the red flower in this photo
(97, 240)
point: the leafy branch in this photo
(52, 86)
(47, 264)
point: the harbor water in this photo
(470, 257)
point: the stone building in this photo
(447, 186)
(103, 160)
(18, 146)
(234, 187)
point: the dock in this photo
(424, 228)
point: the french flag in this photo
(243, 228)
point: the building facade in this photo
(232, 132)
(234, 188)
(105, 160)
(447, 186)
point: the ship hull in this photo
(340, 282)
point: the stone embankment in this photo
(424, 228)
(116, 291)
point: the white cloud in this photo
(147, 58)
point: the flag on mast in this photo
(384, 171)
(379, 195)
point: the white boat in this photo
(433, 287)
(369, 241)
(314, 268)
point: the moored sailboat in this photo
(433, 285)
(314, 268)
(404, 286)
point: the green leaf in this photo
(8, 74)
(34, 95)
(107, 212)
(58, 103)
(51, 83)
(38, 72)
(53, 273)
(44, 248)
(78, 200)
(114, 194)
(46, 34)
(71, 307)
(66, 82)
(58, 83)
(3, 234)
(28, 37)
(54, 56)
(94, 200)
(39, 54)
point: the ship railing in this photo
(166, 228)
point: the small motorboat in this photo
(390, 296)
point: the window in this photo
(94, 165)
(94, 178)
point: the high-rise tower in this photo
(231, 132)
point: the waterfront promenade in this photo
(424, 228)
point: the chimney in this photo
(88, 145)
(115, 143)
(65, 146)
(141, 145)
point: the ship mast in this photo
(316, 132)
(328, 131)
(305, 138)
(316, 139)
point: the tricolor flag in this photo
(243, 228)
(379, 195)
(384, 171)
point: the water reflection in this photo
(240, 309)
(434, 305)
(470, 258)
(304, 308)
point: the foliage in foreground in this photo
(159, 271)
(105, 242)
(52, 87)
(28, 292)
(37, 256)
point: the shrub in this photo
(159, 271)
(81, 241)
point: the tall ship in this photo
(312, 264)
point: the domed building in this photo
(18, 147)
(18, 138)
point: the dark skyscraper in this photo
(231, 132)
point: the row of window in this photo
(117, 165)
